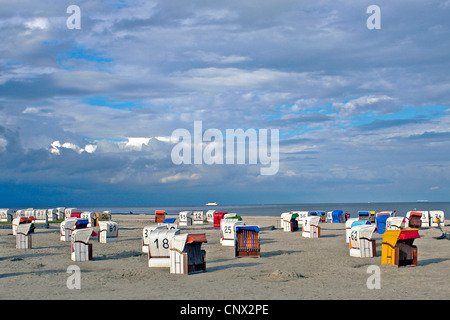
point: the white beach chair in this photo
(197, 217)
(108, 231)
(395, 223)
(66, 228)
(210, 215)
(159, 244)
(228, 231)
(81, 249)
(348, 227)
(311, 227)
(425, 218)
(23, 236)
(361, 243)
(6, 215)
(185, 218)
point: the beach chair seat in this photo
(160, 216)
(90, 217)
(361, 243)
(210, 215)
(247, 243)
(68, 212)
(108, 231)
(217, 217)
(228, 231)
(187, 255)
(311, 228)
(197, 217)
(380, 219)
(52, 214)
(81, 249)
(337, 216)
(185, 218)
(397, 247)
(6, 215)
(290, 221)
(23, 236)
(395, 223)
(159, 244)
(414, 219)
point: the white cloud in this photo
(37, 23)
(180, 176)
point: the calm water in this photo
(277, 209)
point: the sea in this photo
(277, 209)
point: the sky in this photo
(87, 114)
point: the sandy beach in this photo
(290, 267)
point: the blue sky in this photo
(86, 115)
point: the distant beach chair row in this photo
(182, 253)
(398, 233)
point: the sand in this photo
(290, 267)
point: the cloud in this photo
(180, 177)
(97, 106)
(37, 23)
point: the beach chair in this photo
(380, 219)
(66, 228)
(395, 223)
(228, 231)
(329, 216)
(159, 244)
(68, 212)
(81, 249)
(372, 217)
(424, 218)
(397, 247)
(210, 215)
(337, 216)
(311, 227)
(361, 243)
(60, 213)
(290, 222)
(90, 217)
(185, 218)
(217, 217)
(414, 219)
(20, 220)
(52, 214)
(187, 255)
(108, 231)
(197, 217)
(363, 215)
(40, 215)
(102, 216)
(247, 243)
(23, 235)
(160, 216)
(6, 215)
(348, 226)
(146, 234)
